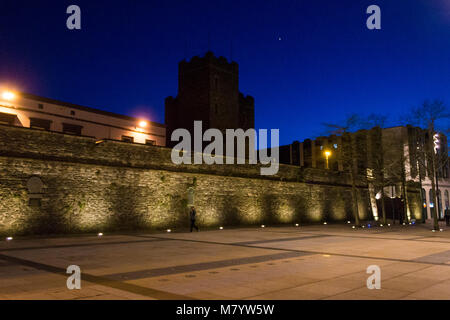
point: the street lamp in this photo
(8, 95)
(327, 155)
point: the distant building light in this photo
(143, 124)
(8, 95)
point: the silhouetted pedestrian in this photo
(193, 215)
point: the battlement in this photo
(209, 59)
(246, 99)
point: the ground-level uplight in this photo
(381, 225)
(263, 226)
(221, 228)
(9, 238)
(353, 227)
(325, 222)
(348, 222)
(168, 230)
(296, 224)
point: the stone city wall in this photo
(56, 183)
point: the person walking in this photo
(192, 215)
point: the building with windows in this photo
(31, 111)
(397, 153)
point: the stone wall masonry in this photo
(115, 186)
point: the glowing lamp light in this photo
(433, 230)
(9, 238)
(369, 225)
(168, 230)
(221, 228)
(263, 226)
(389, 224)
(353, 227)
(143, 124)
(378, 196)
(325, 222)
(348, 222)
(327, 153)
(381, 225)
(296, 224)
(440, 230)
(8, 95)
(100, 234)
(404, 224)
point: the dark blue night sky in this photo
(326, 65)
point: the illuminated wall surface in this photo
(56, 183)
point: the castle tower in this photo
(208, 90)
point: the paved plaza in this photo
(306, 262)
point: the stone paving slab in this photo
(316, 262)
